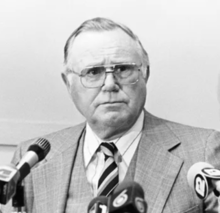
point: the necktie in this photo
(109, 177)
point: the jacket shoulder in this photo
(180, 131)
(58, 140)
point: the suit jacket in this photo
(166, 152)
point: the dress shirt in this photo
(126, 145)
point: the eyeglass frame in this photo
(112, 66)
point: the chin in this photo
(114, 119)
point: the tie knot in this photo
(108, 149)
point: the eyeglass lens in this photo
(95, 76)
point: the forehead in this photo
(94, 48)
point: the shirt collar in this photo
(92, 141)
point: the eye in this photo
(122, 68)
(94, 71)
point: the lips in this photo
(111, 103)
(114, 102)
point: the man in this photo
(106, 70)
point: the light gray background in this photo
(182, 38)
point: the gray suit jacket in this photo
(164, 156)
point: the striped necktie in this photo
(109, 177)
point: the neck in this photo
(108, 132)
(109, 135)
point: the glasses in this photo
(93, 77)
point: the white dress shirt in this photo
(126, 145)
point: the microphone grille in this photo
(44, 144)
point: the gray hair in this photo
(104, 24)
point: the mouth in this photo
(113, 103)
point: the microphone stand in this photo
(18, 199)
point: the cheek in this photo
(75, 90)
(83, 99)
(78, 98)
(138, 95)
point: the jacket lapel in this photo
(51, 190)
(156, 167)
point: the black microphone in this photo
(204, 178)
(11, 175)
(128, 197)
(98, 205)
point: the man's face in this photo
(113, 105)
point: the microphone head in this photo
(98, 204)
(41, 147)
(128, 197)
(194, 170)
(197, 179)
(44, 144)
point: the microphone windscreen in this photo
(128, 197)
(100, 199)
(194, 170)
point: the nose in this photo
(110, 83)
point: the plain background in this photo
(182, 38)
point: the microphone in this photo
(128, 197)
(35, 153)
(98, 205)
(11, 175)
(204, 178)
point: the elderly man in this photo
(105, 71)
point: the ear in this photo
(65, 80)
(147, 72)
